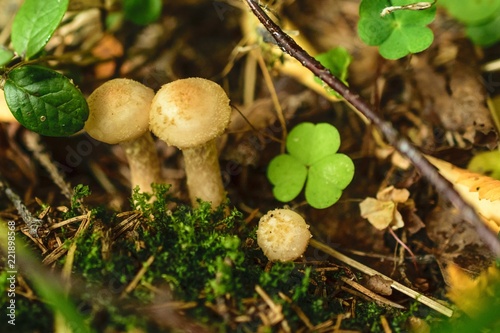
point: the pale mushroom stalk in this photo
(203, 173)
(190, 114)
(143, 161)
(119, 114)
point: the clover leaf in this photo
(312, 160)
(399, 32)
(472, 11)
(481, 19)
(142, 12)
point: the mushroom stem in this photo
(119, 113)
(143, 162)
(190, 114)
(203, 173)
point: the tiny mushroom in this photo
(190, 114)
(283, 235)
(119, 113)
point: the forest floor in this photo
(116, 265)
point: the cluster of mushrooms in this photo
(188, 114)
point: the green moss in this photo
(199, 255)
(79, 193)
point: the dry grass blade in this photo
(394, 284)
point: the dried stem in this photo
(371, 272)
(288, 45)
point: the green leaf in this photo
(475, 12)
(397, 34)
(45, 101)
(326, 180)
(487, 33)
(337, 60)
(309, 142)
(486, 163)
(142, 12)
(5, 55)
(34, 24)
(288, 175)
(313, 157)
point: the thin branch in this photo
(444, 187)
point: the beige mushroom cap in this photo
(119, 111)
(5, 113)
(283, 235)
(189, 112)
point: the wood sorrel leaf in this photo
(327, 178)
(288, 175)
(309, 142)
(34, 24)
(398, 33)
(312, 156)
(45, 101)
(472, 11)
(142, 12)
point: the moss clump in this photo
(203, 261)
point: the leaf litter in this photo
(411, 100)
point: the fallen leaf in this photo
(381, 214)
(393, 194)
(481, 192)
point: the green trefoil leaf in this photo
(142, 12)
(399, 33)
(313, 161)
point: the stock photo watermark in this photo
(11, 273)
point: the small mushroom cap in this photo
(119, 111)
(283, 235)
(189, 112)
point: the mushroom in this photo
(190, 114)
(5, 113)
(119, 113)
(283, 235)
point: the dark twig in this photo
(32, 222)
(288, 45)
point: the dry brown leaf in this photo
(481, 192)
(393, 194)
(382, 212)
